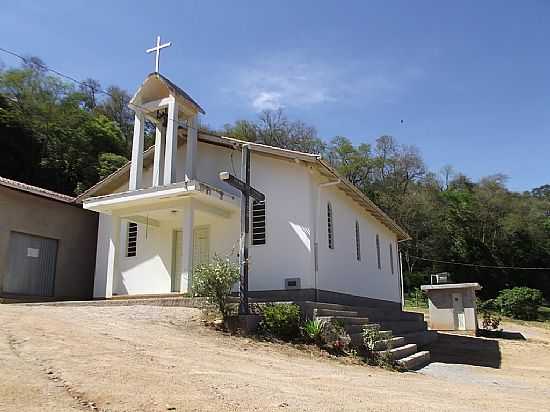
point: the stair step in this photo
(392, 343)
(329, 306)
(415, 361)
(378, 316)
(347, 320)
(357, 337)
(421, 338)
(400, 327)
(332, 312)
(358, 328)
(401, 351)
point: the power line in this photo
(66, 76)
(478, 266)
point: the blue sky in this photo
(470, 79)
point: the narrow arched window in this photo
(378, 252)
(391, 258)
(357, 241)
(330, 226)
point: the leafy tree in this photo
(275, 129)
(59, 137)
(109, 163)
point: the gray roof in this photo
(178, 90)
(35, 190)
(473, 285)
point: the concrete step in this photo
(380, 315)
(415, 361)
(328, 306)
(421, 338)
(401, 351)
(358, 328)
(400, 327)
(390, 343)
(357, 337)
(346, 320)
(333, 312)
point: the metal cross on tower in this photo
(157, 49)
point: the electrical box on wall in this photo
(292, 283)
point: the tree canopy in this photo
(66, 138)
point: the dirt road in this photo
(145, 358)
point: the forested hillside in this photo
(66, 137)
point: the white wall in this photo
(288, 247)
(339, 269)
(150, 270)
(291, 191)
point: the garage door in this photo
(31, 267)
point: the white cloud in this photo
(267, 101)
(292, 80)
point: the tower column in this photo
(112, 256)
(171, 143)
(187, 224)
(158, 161)
(136, 167)
(191, 154)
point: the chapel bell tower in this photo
(169, 108)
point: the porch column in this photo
(136, 167)
(171, 143)
(187, 245)
(158, 161)
(112, 255)
(191, 154)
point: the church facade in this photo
(315, 237)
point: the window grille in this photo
(357, 241)
(330, 227)
(258, 223)
(131, 245)
(378, 252)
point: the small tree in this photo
(214, 280)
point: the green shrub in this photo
(214, 280)
(281, 320)
(519, 303)
(417, 298)
(335, 337)
(313, 329)
(490, 321)
(371, 334)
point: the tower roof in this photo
(152, 89)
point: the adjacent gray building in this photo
(47, 243)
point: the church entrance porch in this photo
(156, 237)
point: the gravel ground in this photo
(146, 358)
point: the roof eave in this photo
(371, 206)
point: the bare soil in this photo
(147, 358)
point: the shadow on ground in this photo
(466, 350)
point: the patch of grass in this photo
(542, 322)
(544, 313)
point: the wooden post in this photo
(245, 227)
